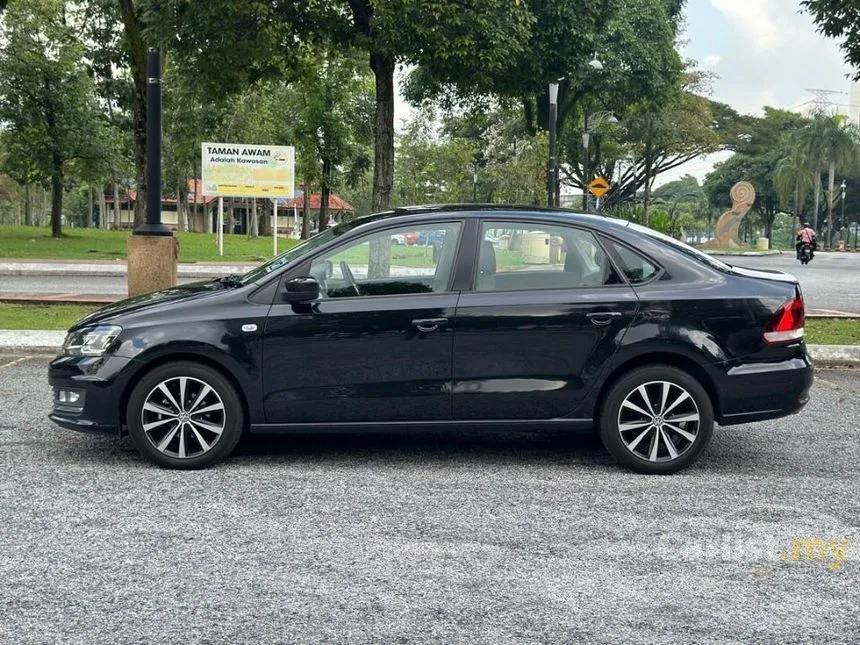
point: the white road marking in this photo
(15, 362)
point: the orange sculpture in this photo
(743, 197)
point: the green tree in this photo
(233, 43)
(838, 19)
(47, 100)
(793, 177)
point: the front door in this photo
(377, 345)
(546, 313)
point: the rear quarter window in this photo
(635, 267)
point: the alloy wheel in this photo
(658, 421)
(183, 417)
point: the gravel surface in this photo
(490, 538)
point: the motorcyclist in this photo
(806, 235)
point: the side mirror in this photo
(301, 290)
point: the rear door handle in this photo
(602, 317)
(427, 325)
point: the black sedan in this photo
(517, 319)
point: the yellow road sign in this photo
(599, 187)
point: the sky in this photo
(765, 52)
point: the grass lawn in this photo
(819, 331)
(61, 317)
(29, 242)
(833, 331)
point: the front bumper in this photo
(100, 382)
(759, 391)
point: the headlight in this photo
(90, 341)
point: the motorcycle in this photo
(805, 254)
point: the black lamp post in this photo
(153, 225)
(553, 117)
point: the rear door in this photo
(546, 312)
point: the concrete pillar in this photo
(151, 263)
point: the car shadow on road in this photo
(426, 447)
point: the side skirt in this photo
(411, 426)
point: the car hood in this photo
(765, 274)
(173, 295)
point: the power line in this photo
(821, 98)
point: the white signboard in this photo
(243, 170)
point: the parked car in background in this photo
(616, 329)
(410, 237)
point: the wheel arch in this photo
(658, 357)
(188, 357)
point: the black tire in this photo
(652, 377)
(194, 378)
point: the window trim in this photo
(658, 275)
(304, 268)
(476, 260)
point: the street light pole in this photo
(152, 249)
(553, 117)
(585, 169)
(842, 220)
(153, 225)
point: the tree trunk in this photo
(306, 207)
(103, 223)
(57, 201)
(90, 206)
(180, 212)
(647, 202)
(136, 49)
(325, 194)
(817, 198)
(117, 213)
(28, 206)
(831, 177)
(197, 209)
(383, 131)
(254, 228)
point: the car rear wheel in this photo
(657, 420)
(185, 415)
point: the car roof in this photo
(444, 211)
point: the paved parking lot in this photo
(489, 538)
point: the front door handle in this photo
(427, 325)
(602, 317)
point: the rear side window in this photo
(517, 256)
(637, 268)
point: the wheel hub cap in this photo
(183, 417)
(658, 421)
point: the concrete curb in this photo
(746, 253)
(49, 342)
(106, 269)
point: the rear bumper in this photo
(759, 391)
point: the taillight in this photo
(787, 323)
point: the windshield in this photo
(686, 249)
(298, 251)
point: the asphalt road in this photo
(486, 538)
(101, 285)
(831, 281)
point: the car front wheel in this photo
(656, 420)
(185, 415)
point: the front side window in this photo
(396, 261)
(519, 255)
